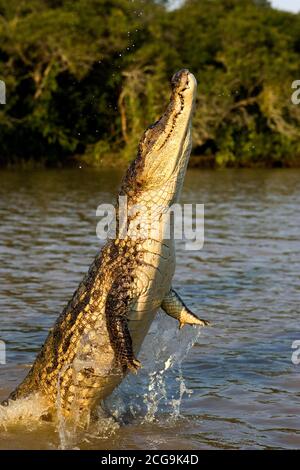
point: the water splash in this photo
(183, 390)
(159, 387)
(66, 436)
(28, 410)
(80, 426)
(71, 437)
(156, 392)
(162, 390)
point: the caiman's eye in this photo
(152, 125)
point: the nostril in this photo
(180, 78)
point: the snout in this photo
(180, 79)
(183, 80)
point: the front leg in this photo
(116, 310)
(174, 306)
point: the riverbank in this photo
(88, 79)
(117, 161)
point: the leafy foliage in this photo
(85, 77)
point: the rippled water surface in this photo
(230, 386)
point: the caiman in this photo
(96, 339)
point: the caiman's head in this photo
(165, 147)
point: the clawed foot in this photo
(132, 365)
(205, 322)
(199, 322)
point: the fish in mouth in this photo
(96, 339)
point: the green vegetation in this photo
(85, 77)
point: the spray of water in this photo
(65, 435)
(159, 387)
(167, 386)
(24, 410)
(154, 394)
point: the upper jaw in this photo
(180, 80)
(164, 146)
(184, 83)
(168, 143)
(175, 120)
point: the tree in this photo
(85, 77)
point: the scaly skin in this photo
(96, 339)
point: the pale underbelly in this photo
(93, 373)
(154, 281)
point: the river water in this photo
(233, 385)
